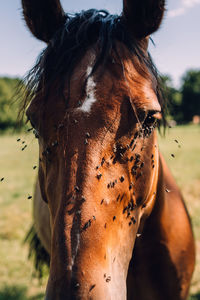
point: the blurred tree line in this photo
(183, 103)
(8, 105)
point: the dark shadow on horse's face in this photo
(98, 163)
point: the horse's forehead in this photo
(120, 78)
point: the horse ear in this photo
(143, 17)
(43, 17)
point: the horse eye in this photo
(151, 118)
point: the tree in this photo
(191, 95)
(173, 98)
(8, 107)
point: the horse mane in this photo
(80, 32)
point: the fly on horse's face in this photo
(98, 148)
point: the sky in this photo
(177, 43)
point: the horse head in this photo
(94, 105)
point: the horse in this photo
(106, 207)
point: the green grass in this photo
(195, 297)
(16, 166)
(17, 293)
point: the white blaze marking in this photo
(90, 93)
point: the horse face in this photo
(98, 170)
(98, 173)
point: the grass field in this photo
(16, 167)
